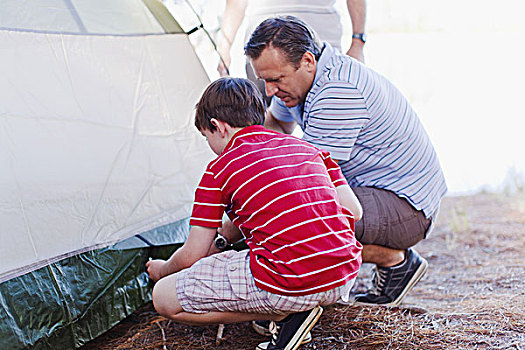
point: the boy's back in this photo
(280, 191)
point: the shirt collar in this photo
(326, 53)
(244, 131)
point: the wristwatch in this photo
(360, 36)
(221, 242)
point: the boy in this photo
(295, 210)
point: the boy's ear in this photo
(220, 125)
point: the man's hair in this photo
(287, 33)
(235, 101)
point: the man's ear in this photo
(220, 125)
(308, 60)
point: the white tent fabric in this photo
(79, 16)
(97, 141)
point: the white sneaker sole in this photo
(264, 331)
(306, 340)
(301, 334)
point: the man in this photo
(369, 127)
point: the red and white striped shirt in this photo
(280, 192)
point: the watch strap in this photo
(360, 36)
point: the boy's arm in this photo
(346, 196)
(230, 232)
(348, 199)
(196, 247)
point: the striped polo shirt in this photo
(365, 122)
(280, 192)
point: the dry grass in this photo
(346, 327)
(413, 328)
(473, 296)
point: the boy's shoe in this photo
(391, 284)
(289, 333)
(264, 346)
(263, 328)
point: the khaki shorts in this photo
(389, 220)
(224, 282)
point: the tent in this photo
(99, 160)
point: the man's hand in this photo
(155, 269)
(272, 123)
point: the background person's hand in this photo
(356, 51)
(224, 63)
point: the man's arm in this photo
(231, 20)
(275, 124)
(357, 10)
(348, 199)
(196, 247)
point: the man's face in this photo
(283, 79)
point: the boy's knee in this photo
(165, 297)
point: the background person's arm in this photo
(231, 20)
(357, 11)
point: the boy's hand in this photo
(155, 269)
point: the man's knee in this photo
(165, 298)
(389, 220)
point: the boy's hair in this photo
(235, 101)
(287, 33)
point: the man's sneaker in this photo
(391, 284)
(289, 333)
(263, 328)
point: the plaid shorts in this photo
(224, 282)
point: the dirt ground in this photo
(472, 297)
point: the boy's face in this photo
(283, 79)
(215, 140)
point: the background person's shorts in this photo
(224, 282)
(389, 220)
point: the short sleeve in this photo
(209, 205)
(335, 114)
(281, 112)
(334, 171)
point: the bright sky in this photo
(461, 65)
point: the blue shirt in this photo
(365, 122)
